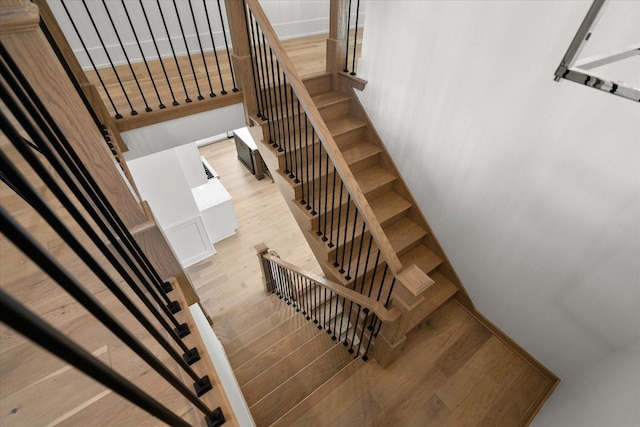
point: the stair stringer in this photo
(347, 85)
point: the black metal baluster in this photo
(331, 295)
(393, 282)
(308, 298)
(364, 329)
(95, 69)
(275, 93)
(344, 234)
(366, 262)
(13, 314)
(344, 310)
(384, 275)
(312, 193)
(126, 56)
(226, 43)
(326, 197)
(273, 104)
(373, 275)
(333, 207)
(186, 45)
(335, 318)
(264, 67)
(308, 202)
(335, 262)
(353, 236)
(371, 328)
(155, 44)
(292, 121)
(215, 51)
(95, 27)
(355, 40)
(204, 61)
(299, 301)
(283, 142)
(267, 90)
(259, 71)
(287, 123)
(254, 66)
(346, 335)
(135, 35)
(323, 314)
(318, 179)
(173, 52)
(346, 51)
(348, 277)
(299, 138)
(315, 303)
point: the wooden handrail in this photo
(384, 314)
(321, 129)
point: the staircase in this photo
(283, 363)
(401, 220)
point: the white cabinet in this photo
(194, 212)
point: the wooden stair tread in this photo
(291, 418)
(403, 234)
(237, 320)
(287, 367)
(266, 323)
(268, 338)
(329, 98)
(434, 297)
(271, 407)
(422, 257)
(262, 361)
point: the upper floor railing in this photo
(146, 57)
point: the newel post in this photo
(267, 279)
(412, 282)
(338, 31)
(241, 55)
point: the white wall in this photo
(604, 394)
(532, 186)
(172, 133)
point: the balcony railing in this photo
(147, 56)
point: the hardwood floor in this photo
(453, 370)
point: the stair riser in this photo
(349, 137)
(364, 163)
(335, 110)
